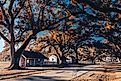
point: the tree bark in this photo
(63, 60)
(58, 55)
(12, 48)
(76, 56)
(15, 61)
(76, 59)
(15, 58)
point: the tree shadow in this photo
(77, 67)
(68, 67)
(41, 78)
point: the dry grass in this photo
(96, 76)
(89, 76)
(8, 74)
(4, 72)
(4, 65)
(109, 73)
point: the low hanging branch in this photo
(4, 37)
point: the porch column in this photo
(34, 62)
(25, 62)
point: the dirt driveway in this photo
(56, 74)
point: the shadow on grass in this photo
(77, 67)
(69, 67)
(41, 78)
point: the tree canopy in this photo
(72, 24)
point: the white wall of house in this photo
(69, 60)
(53, 58)
(22, 62)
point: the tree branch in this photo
(10, 8)
(2, 23)
(4, 38)
(4, 14)
(104, 10)
(19, 9)
(98, 7)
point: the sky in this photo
(1, 44)
(2, 41)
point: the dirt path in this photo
(110, 72)
(57, 74)
(96, 76)
(99, 76)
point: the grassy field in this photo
(4, 65)
(8, 74)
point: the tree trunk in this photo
(93, 60)
(15, 56)
(63, 61)
(58, 55)
(76, 60)
(63, 58)
(15, 61)
(12, 49)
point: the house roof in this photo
(32, 54)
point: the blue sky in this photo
(1, 44)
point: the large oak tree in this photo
(23, 19)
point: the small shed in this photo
(31, 58)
